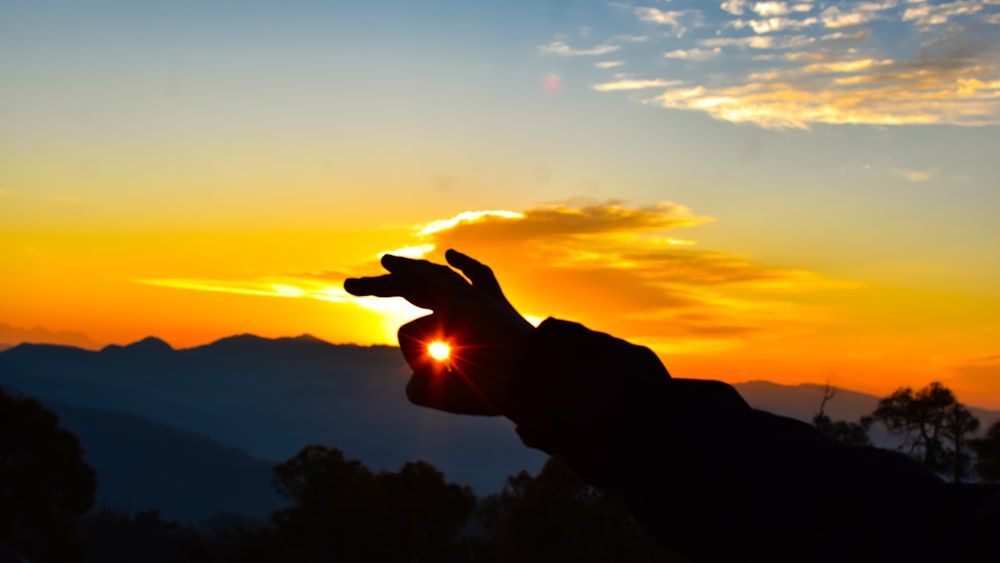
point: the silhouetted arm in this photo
(719, 481)
(709, 476)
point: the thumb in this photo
(414, 337)
(479, 274)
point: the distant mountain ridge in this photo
(246, 398)
(271, 397)
(143, 465)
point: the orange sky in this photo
(791, 192)
(636, 272)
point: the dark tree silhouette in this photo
(344, 512)
(959, 425)
(558, 517)
(116, 537)
(987, 451)
(934, 424)
(335, 512)
(425, 514)
(849, 433)
(45, 484)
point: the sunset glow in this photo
(790, 192)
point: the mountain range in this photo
(195, 431)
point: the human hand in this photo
(485, 332)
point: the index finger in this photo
(422, 283)
(388, 285)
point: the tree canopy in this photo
(987, 451)
(849, 433)
(935, 426)
(45, 484)
(343, 511)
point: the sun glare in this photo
(439, 351)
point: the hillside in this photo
(170, 428)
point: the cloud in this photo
(652, 15)
(914, 175)
(841, 36)
(694, 54)
(950, 80)
(669, 18)
(758, 42)
(606, 263)
(618, 266)
(846, 66)
(608, 64)
(926, 15)
(630, 38)
(735, 7)
(832, 17)
(634, 85)
(752, 42)
(857, 13)
(464, 217)
(780, 63)
(562, 49)
(771, 8)
(886, 99)
(773, 24)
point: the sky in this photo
(788, 191)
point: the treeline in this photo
(934, 427)
(340, 510)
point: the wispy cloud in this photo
(631, 38)
(694, 54)
(652, 15)
(914, 175)
(773, 24)
(771, 8)
(608, 64)
(619, 266)
(795, 64)
(634, 85)
(735, 7)
(927, 14)
(562, 49)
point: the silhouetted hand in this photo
(485, 332)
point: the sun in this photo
(439, 350)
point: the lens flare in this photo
(551, 83)
(439, 351)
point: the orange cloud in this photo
(614, 268)
(606, 264)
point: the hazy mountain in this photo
(271, 397)
(803, 400)
(144, 465)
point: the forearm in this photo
(710, 476)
